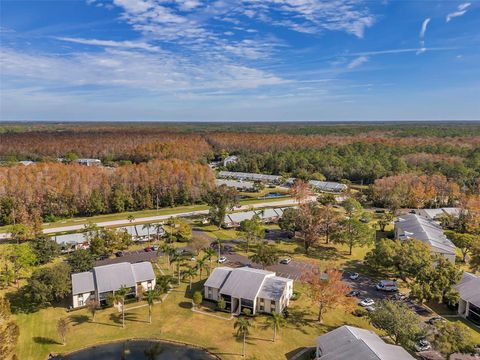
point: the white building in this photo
(260, 291)
(88, 162)
(239, 185)
(348, 342)
(469, 290)
(413, 226)
(104, 280)
(232, 159)
(266, 215)
(435, 214)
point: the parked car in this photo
(354, 276)
(192, 258)
(422, 345)
(285, 261)
(387, 285)
(148, 249)
(119, 254)
(103, 257)
(434, 319)
(155, 247)
(222, 259)
(353, 293)
(367, 302)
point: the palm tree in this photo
(176, 258)
(202, 265)
(190, 272)
(150, 297)
(209, 252)
(243, 329)
(168, 251)
(147, 226)
(158, 227)
(276, 321)
(119, 298)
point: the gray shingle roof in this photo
(76, 238)
(273, 288)
(249, 176)
(347, 342)
(328, 185)
(235, 184)
(218, 277)
(143, 271)
(244, 283)
(469, 288)
(113, 277)
(82, 283)
(413, 226)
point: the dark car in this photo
(353, 293)
(119, 254)
(103, 257)
(434, 319)
(148, 249)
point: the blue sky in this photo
(253, 60)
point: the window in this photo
(80, 301)
(149, 285)
(262, 308)
(273, 303)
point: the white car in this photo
(367, 302)
(370, 308)
(422, 345)
(354, 276)
(285, 261)
(222, 259)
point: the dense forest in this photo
(148, 161)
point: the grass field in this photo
(174, 320)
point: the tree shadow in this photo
(185, 305)
(45, 341)
(79, 319)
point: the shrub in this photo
(247, 312)
(197, 298)
(360, 312)
(295, 296)
(221, 304)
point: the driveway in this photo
(293, 271)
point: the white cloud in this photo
(461, 10)
(424, 27)
(111, 43)
(357, 62)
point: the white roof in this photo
(348, 342)
(76, 238)
(235, 184)
(469, 288)
(436, 213)
(238, 217)
(249, 176)
(112, 277)
(328, 185)
(413, 226)
(247, 283)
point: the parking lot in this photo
(366, 288)
(134, 256)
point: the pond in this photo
(273, 195)
(139, 350)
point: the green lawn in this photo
(174, 320)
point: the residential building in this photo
(88, 162)
(348, 342)
(328, 186)
(232, 159)
(239, 185)
(142, 233)
(71, 242)
(435, 214)
(260, 291)
(469, 290)
(270, 179)
(104, 280)
(26, 162)
(413, 226)
(266, 215)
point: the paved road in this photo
(159, 218)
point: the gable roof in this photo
(273, 287)
(244, 283)
(112, 277)
(413, 226)
(143, 271)
(348, 342)
(82, 283)
(218, 277)
(469, 288)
